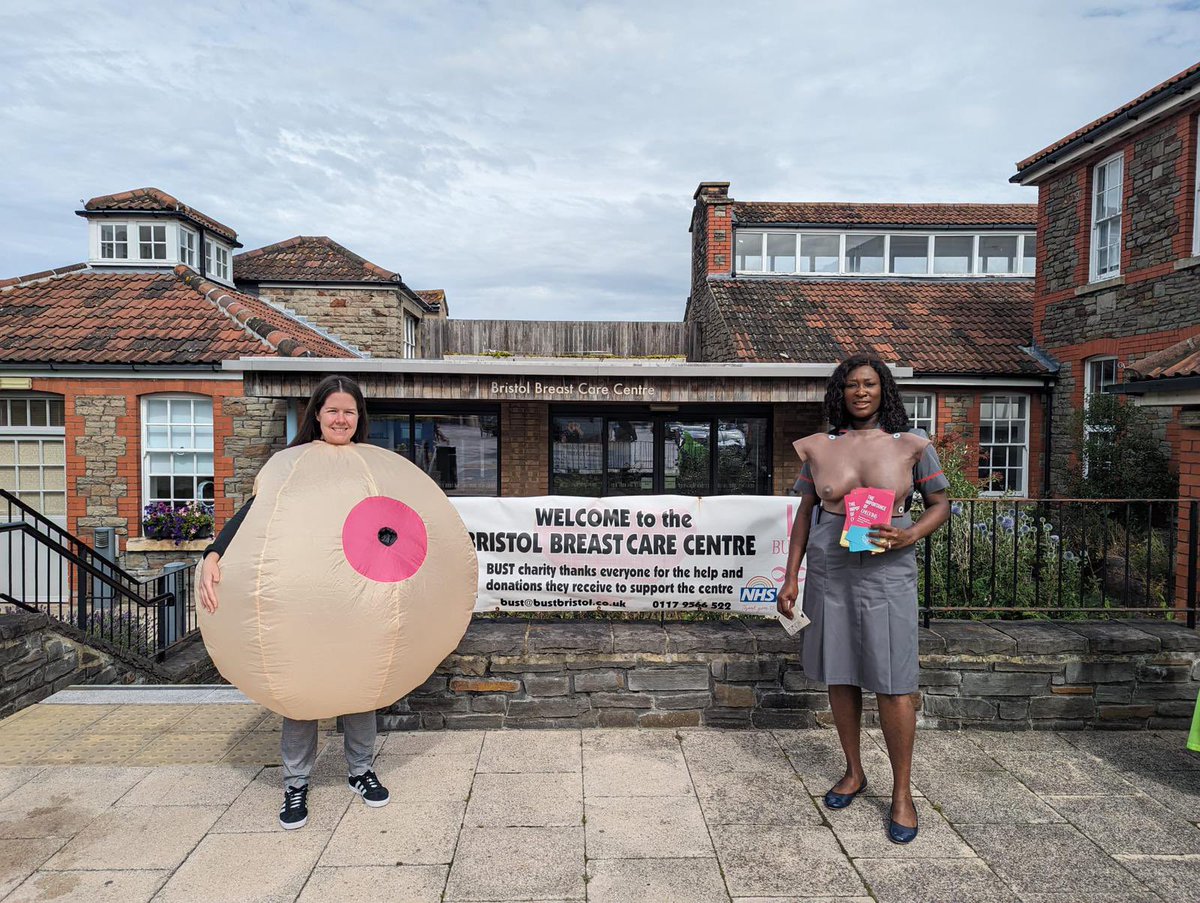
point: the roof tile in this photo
(847, 214)
(307, 258)
(1180, 359)
(158, 200)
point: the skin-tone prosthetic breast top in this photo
(842, 462)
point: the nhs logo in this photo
(759, 591)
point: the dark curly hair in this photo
(892, 416)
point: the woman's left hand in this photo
(890, 538)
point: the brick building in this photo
(944, 290)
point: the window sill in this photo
(1187, 263)
(141, 544)
(1100, 286)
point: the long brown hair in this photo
(892, 416)
(309, 430)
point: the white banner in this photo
(630, 553)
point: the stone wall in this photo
(36, 660)
(1004, 675)
(259, 429)
(371, 319)
(98, 441)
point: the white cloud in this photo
(535, 159)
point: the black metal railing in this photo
(45, 568)
(1066, 558)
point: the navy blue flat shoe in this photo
(898, 833)
(842, 800)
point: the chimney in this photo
(712, 232)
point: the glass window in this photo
(114, 241)
(997, 254)
(687, 468)
(578, 456)
(1003, 443)
(952, 254)
(152, 242)
(1106, 218)
(908, 255)
(187, 247)
(177, 449)
(864, 253)
(410, 336)
(920, 408)
(459, 452)
(819, 253)
(781, 253)
(630, 465)
(1029, 254)
(743, 457)
(749, 252)
(216, 260)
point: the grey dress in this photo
(863, 607)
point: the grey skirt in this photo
(863, 609)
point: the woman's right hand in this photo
(786, 600)
(210, 576)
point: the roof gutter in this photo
(1151, 386)
(1088, 141)
(898, 227)
(173, 214)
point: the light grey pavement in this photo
(619, 815)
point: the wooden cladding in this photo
(536, 338)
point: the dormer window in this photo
(114, 241)
(907, 253)
(216, 259)
(152, 242)
(187, 247)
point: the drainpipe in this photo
(203, 257)
(1047, 438)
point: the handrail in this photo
(80, 562)
(83, 547)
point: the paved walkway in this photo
(174, 798)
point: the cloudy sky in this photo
(537, 160)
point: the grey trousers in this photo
(298, 745)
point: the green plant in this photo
(1117, 453)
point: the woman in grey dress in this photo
(863, 606)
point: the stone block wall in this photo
(258, 429)
(94, 434)
(371, 319)
(1004, 675)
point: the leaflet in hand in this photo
(865, 508)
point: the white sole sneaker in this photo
(292, 826)
(374, 804)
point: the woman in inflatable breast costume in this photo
(338, 595)
(863, 605)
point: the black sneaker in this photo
(294, 811)
(368, 787)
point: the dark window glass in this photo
(630, 457)
(577, 467)
(687, 466)
(743, 457)
(459, 452)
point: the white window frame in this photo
(929, 424)
(1023, 255)
(410, 335)
(216, 260)
(1113, 270)
(194, 448)
(844, 235)
(154, 243)
(41, 436)
(1009, 396)
(113, 242)
(189, 247)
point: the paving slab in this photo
(1179, 791)
(400, 833)
(861, 828)
(768, 861)
(1064, 773)
(531, 751)
(221, 718)
(120, 886)
(255, 748)
(1172, 877)
(59, 802)
(1138, 752)
(88, 748)
(141, 719)
(1049, 859)
(245, 868)
(655, 880)
(1020, 741)
(525, 800)
(20, 858)
(433, 744)
(722, 752)
(744, 798)
(646, 827)
(634, 763)
(14, 776)
(424, 777)
(184, 749)
(141, 694)
(501, 864)
(984, 798)
(1130, 825)
(933, 880)
(144, 837)
(375, 884)
(190, 785)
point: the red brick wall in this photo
(104, 481)
(1188, 445)
(524, 454)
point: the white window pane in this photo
(204, 465)
(202, 410)
(54, 478)
(952, 253)
(204, 437)
(156, 410)
(749, 252)
(159, 462)
(54, 504)
(781, 253)
(909, 254)
(29, 453)
(181, 410)
(864, 253)
(53, 453)
(1029, 256)
(998, 254)
(181, 437)
(157, 437)
(819, 253)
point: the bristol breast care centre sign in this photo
(631, 553)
